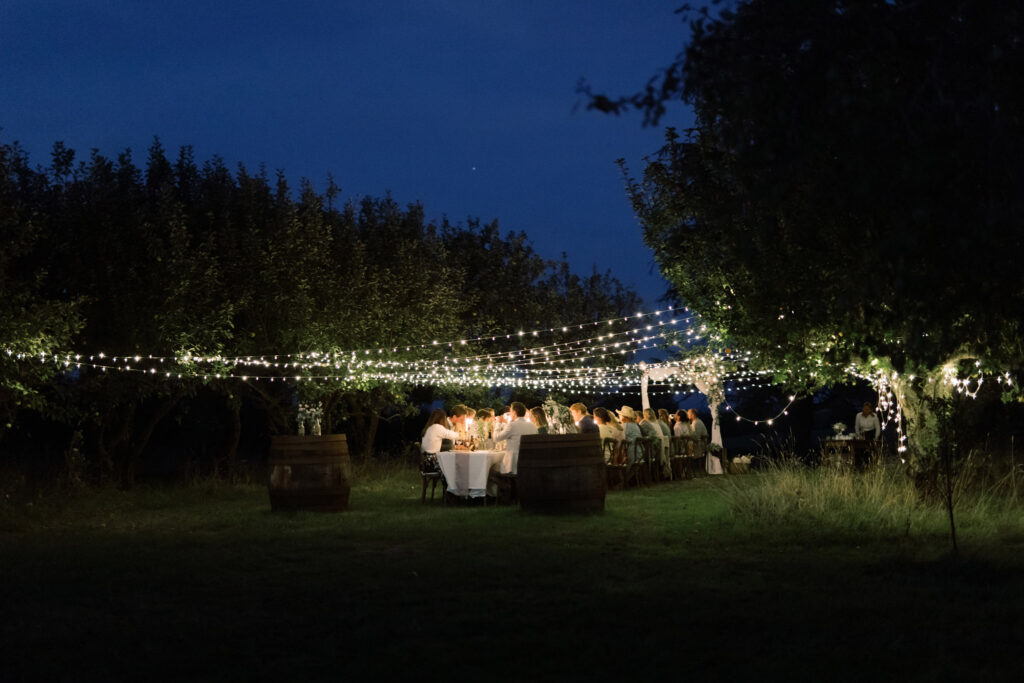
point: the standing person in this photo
(513, 432)
(866, 425)
(539, 419)
(584, 423)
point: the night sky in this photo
(466, 106)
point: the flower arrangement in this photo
(715, 448)
(839, 428)
(740, 465)
(559, 418)
(311, 413)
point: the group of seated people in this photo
(467, 428)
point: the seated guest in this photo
(434, 434)
(649, 425)
(630, 431)
(483, 423)
(698, 432)
(539, 419)
(513, 432)
(460, 414)
(584, 423)
(606, 425)
(500, 416)
(663, 420)
(682, 425)
(651, 428)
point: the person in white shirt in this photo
(866, 425)
(607, 427)
(435, 432)
(513, 432)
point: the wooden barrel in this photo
(309, 473)
(561, 473)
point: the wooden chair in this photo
(637, 469)
(698, 458)
(652, 456)
(430, 473)
(678, 456)
(508, 488)
(615, 462)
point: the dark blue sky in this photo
(466, 106)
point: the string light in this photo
(768, 421)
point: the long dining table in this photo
(466, 471)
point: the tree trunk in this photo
(714, 392)
(921, 419)
(230, 456)
(716, 423)
(139, 443)
(371, 434)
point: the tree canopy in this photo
(176, 258)
(851, 189)
(850, 194)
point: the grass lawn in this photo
(205, 583)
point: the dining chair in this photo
(430, 473)
(652, 451)
(698, 459)
(615, 460)
(678, 457)
(636, 459)
(508, 488)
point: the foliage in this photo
(180, 258)
(850, 193)
(33, 322)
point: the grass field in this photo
(696, 579)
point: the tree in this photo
(850, 195)
(32, 323)
(157, 266)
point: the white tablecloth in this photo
(466, 471)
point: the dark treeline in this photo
(176, 256)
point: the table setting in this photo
(467, 471)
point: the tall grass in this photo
(881, 502)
